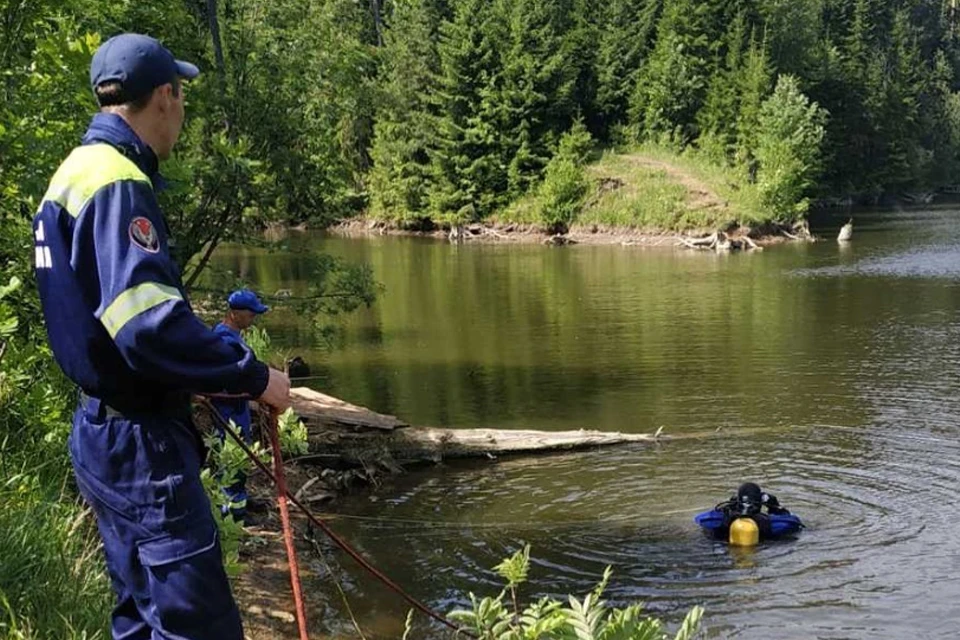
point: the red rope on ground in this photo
(337, 540)
(281, 481)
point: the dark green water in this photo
(830, 373)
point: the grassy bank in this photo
(52, 581)
(654, 189)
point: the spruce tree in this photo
(536, 96)
(788, 149)
(754, 82)
(404, 133)
(467, 168)
(625, 39)
(672, 85)
(898, 115)
(718, 117)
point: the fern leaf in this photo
(691, 624)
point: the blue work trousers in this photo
(141, 476)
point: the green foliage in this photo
(226, 461)
(565, 184)
(48, 541)
(334, 287)
(788, 149)
(292, 434)
(588, 619)
(534, 102)
(51, 555)
(754, 82)
(626, 36)
(515, 568)
(404, 134)
(263, 347)
(465, 161)
(491, 85)
(44, 87)
(510, 74)
(673, 82)
(8, 317)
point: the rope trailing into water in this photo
(539, 525)
(281, 482)
(337, 540)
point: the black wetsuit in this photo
(740, 506)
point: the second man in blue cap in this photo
(244, 307)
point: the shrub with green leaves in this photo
(565, 184)
(547, 619)
(292, 434)
(788, 149)
(225, 463)
(263, 347)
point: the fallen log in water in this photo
(358, 435)
(721, 241)
(319, 408)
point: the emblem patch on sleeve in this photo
(144, 235)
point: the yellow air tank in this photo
(744, 532)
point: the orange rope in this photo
(287, 531)
(323, 526)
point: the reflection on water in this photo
(826, 373)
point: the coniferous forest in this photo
(430, 109)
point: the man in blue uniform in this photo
(121, 327)
(245, 306)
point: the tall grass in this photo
(643, 198)
(52, 579)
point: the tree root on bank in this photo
(720, 241)
(739, 238)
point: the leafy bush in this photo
(587, 619)
(226, 461)
(565, 184)
(52, 579)
(262, 346)
(292, 434)
(788, 149)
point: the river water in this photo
(826, 373)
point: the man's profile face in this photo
(244, 318)
(171, 102)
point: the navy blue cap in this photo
(246, 299)
(139, 63)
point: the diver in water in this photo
(750, 502)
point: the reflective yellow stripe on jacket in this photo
(133, 302)
(87, 170)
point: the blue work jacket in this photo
(116, 312)
(238, 409)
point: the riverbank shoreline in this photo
(596, 235)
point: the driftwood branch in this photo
(720, 241)
(707, 242)
(306, 485)
(359, 434)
